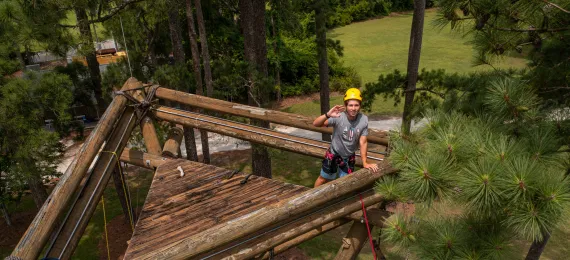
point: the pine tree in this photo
(500, 170)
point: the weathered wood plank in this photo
(262, 218)
(177, 207)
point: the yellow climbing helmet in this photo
(352, 93)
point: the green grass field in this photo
(380, 46)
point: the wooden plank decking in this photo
(178, 207)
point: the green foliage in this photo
(114, 77)
(299, 67)
(346, 12)
(502, 164)
(176, 77)
(438, 89)
(504, 28)
(27, 150)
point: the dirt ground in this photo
(20, 222)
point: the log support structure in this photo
(250, 133)
(151, 140)
(32, 242)
(288, 119)
(313, 212)
(173, 142)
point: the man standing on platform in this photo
(350, 128)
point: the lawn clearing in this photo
(379, 46)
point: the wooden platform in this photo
(178, 207)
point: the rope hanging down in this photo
(105, 226)
(367, 227)
(127, 195)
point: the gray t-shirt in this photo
(346, 134)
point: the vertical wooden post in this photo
(172, 144)
(353, 242)
(33, 241)
(122, 194)
(151, 141)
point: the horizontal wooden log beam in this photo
(277, 117)
(142, 159)
(375, 217)
(304, 237)
(267, 216)
(253, 134)
(292, 230)
(37, 234)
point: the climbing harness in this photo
(367, 227)
(247, 130)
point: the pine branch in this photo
(541, 30)
(106, 17)
(115, 11)
(557, 6)
(428, 90)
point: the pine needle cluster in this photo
(502, 169)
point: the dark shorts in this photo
(334, 166)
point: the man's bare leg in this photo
(320, 181)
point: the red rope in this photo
(367, 227)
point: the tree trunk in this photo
(180, 59)
(205, 51)
(274, 26)
(122, 194)
(175, 33)
(196, 64)
(413, 62)
(537, 247)
(320, 24)
(91, 57)
(38, 191)
(252, 15)
(6, 214)
(19, 55)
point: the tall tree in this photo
(413, 62)
(197, 70)
(321, 29)
(88, 49)
(502, 166)
(205, 50)
(252, 17)
(539, 30)
(28, 152)
(180, 60)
